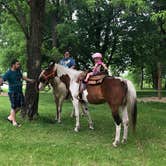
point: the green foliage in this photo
(132, 32)
(12, 42)
(50, 55)
(161, 15)
(66, 35)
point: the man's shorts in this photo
(16, 100)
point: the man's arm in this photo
(73, 64)
(73, 67)
(4, 78)
(28, 79)
(1, 81)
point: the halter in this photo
(51, 75)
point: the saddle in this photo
(93, 80)
(97, 79)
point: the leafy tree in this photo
(29, 16)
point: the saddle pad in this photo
(95, 82)
(96, 77)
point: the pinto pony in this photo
(60, 87)
(118, 93)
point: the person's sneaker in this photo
(84, 81)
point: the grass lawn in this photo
(150, 93)
(43, 142)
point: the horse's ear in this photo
(51, 64)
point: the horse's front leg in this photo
(76, 108)
(57, 106)
(59, 110)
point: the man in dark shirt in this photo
(14, 78)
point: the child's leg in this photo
(87, 76)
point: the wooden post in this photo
(159, 79)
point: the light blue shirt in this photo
(67, 62)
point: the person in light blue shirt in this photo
(14, 78)
(67, 61)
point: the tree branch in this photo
(19, 21)
(112, 51)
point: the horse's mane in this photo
(72, 73)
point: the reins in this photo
(47, 77)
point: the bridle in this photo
(49, 76)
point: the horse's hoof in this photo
(124, 141)
(72, 115)
(115, 144)
(91, 127)
(76, 129)
(83, 114)
(59, 121)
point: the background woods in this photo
(130, 35)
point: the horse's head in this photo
(46, 75)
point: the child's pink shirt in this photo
(97, 67)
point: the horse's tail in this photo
(132, 103)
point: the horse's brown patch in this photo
(111, 90)
(95, 94)
(66, 80)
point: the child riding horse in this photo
(97, 57)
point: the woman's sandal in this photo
(17, 124)
(9, 120)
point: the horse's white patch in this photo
(84, 95)
(125, 120)
(117, 135)
(41, 86)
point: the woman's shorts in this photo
(16, 100)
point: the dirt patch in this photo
(152, 99)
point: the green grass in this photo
(43, 142)
(150, 93)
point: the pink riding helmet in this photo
(97, 55)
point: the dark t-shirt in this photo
(14, 79)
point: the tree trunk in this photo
(142, 77)
(34, 55)
(159, 80)
(54, 34)
(154, 77)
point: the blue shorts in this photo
(16, 100)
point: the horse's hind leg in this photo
(125, 120)
(86, 112)
(117, 119)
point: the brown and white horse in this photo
(118, 93)
(60, 87)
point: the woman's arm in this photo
(1, 81)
